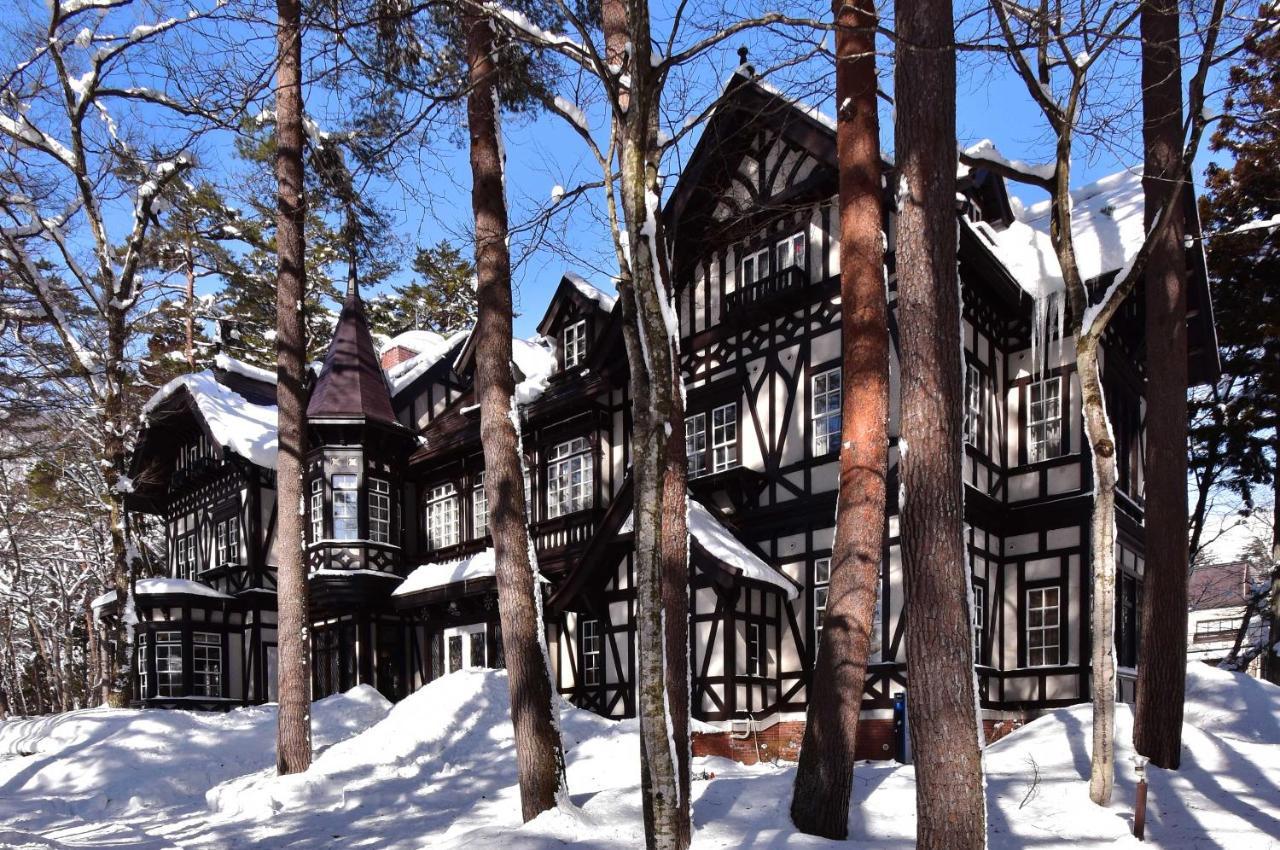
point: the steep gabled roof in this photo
(351, 383)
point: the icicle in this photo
(1060, 313)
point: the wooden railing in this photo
(766, 289)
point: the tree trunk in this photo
(539, 756)
(1271, 655)
(1162, 671)
(1102, 545)
(657, 439)
(824, 776)
(118, 629)
(941, 691)
(293, 733)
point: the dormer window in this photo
(575, 343)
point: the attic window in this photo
(575, 343)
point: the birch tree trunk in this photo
(539, 755)
(941, 692)
(1162, 670)
(824, 776)
(659, 464)
(293, 734)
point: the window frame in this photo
(756, 657)
(226, 541)
(1043, 629)
(186, 554)
(796, 239)
(591, 651)
(378, 496)
(979, 619)
(479, 508)
(695, 429)
(564, 495)
(171, 641)
(347, 500)
(828, 442)
(206, 650)
(442, 497)
(143, 675)
(821, 592)
(317, 509)
(976, 401)
(574, 351)
(753, 258)
(1045, 421)
(729, 445)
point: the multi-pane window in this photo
(790, 252)
(826, 412)
(979, 620)
(477, 649)
(575, 343)
(346, 507)
(317, 509)
(755, 650)
(379, 510)
(226, 542)
(168, 647)
(455, 653)
(528, 496)
(589, 631)
(1226, 627)
(821, 586)
(975, 407)
(755, 266)
(569, 477)
(1042, 627)
(1044, 419)
(442, 516)
(143, 677)
(695, 443)
(206, 664)
(724, 437)
(185, 555)
(479, 508)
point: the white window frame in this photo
(756, 660)
(168, 659)
(790, 252)
(185, 556)
(592, 657)
(317, 509)
(442, 516)
(575, 343)
(570, 477)
(1044, 419)
(346, 506)
(724, 437)
(143, 678)
(821, 589)
(975, 406)
(749, 269)
(1044, 639)
(226, 541)
(379, 510)
(479, 509)
(979, 620)
(206, 664)
(695, 443)
(825, 411)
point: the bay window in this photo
(379, 510)
(206, 664)
(317, 509)
(346, 507)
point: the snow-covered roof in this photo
(431, 347)
(227, 363)
(590, 290)
(536, 360)
(429, 576)
(721, 544)
(235, 423)
(159, 586)
(1106, 222)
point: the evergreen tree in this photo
(442, 299)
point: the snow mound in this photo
(236, 424)
(428, 576)
(1233, 705)
(536, 361)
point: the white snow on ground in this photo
(439, 771)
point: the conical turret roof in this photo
(351, 383)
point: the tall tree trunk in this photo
(293, 733)
(189, 320)
(118, 629)
(941, 691)
(824, 777)
(659, 464)
(1271, 655)
(539, 756)
(1162, 670)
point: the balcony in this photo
(766, 291)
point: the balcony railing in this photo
(766, 289)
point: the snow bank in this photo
(428, 576)
(236, 424)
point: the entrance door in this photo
(464, 647)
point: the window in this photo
(1044, 419)
(589, 631)
(975, 407)
(695, 443)
(755, 650)
(790, 252)
(185, 555)
(143, 678)
(821, 580)
(379, 510)
(826, 412)
(1042, 627)
(317, 509)
(724, 437)
(442, 516)
(206, 664)
(455, 653)
(755, 266)
(1208, 630)
(479, 508)
(346, 508)
(569, 477)
(979, 620)
(168, 647)
(575, 343)
(226, 539)
(528, 495)
(477, 649)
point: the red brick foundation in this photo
(781, 741)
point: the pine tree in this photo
(443, 299)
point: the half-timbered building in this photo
(402, 573)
